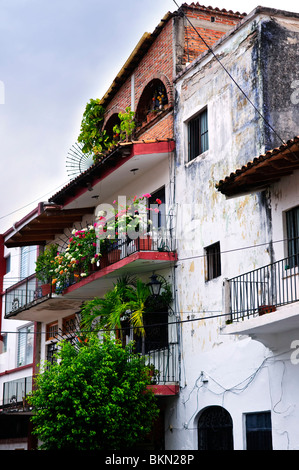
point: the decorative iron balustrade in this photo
(30, 290)
(15, 392)
(263, 289)
(164, 363)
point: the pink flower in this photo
(146, 195)
(156, 210)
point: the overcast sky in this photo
(54, 56)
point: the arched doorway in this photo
(215, 429)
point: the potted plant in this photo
(44, 267)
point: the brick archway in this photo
(156, 82)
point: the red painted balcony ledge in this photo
(162, 257)
(163, 390)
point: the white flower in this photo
(83, 274)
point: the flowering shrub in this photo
(77, 258)
(75, 262)
(125, 219)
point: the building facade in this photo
(16, 352)
(214, 143)
(142, 165)
(236, 119)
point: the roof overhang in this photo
(43, 225)
(115, 162)
(263, 171)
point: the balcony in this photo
(263, 301)
(14, 394)
(27, 300)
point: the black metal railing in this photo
(30, 290)
(164, 362)
(15, 393)
(263, 289)
(26, 292)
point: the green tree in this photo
(95, 397)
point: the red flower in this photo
(158, 201)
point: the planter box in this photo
(144, 244)
(113, 256)
(46, 289)
(263, 309)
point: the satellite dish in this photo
(77, 161)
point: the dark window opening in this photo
(292, 225)
(157, 201)
(198, 135)
(213, 261)
(259, 431)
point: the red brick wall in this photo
(194, 46)
(158, 63)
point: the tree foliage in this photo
(92, 135)
(95, 397)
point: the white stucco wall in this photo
(242, 374)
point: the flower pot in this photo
(263, 309)
(113, 256)
(144, 244)
(104, 260)
(46, 289)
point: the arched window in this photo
(111, 122)
(153, 99)
(215, 429)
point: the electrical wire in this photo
(231, 77)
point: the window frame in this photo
(249, 431)
(195, 149)
(292, 236)
(27, 344)
(213, 265)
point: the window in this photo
(198, 136)
(51, 330)
(28, 258)
(258, 431)
(7, 264)
(51, 351)
(292, 226)
(158, 218)
(213, 261)
(25, 346)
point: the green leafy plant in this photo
(44, 263)
(129, 300)
(92, 135)
(95, 397)
(124, 130)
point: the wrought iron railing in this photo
(263, 289)
(30, 290)
(15, 393)
(164, 362)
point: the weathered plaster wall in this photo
(279, 61)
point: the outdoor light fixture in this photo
(154, 285)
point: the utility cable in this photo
(232, 78)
